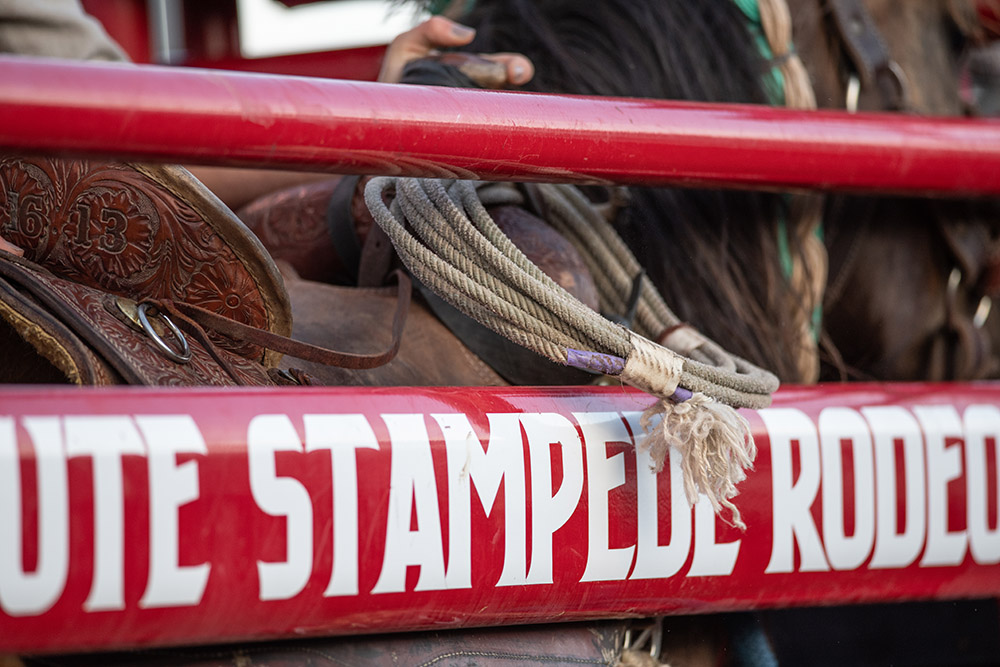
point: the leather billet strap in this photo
(869, 53)
(368, 263)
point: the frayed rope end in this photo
(715, 444)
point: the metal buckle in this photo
(895, 89)
(954, 280)
(984, 306)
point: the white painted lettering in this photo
(342, 435)
(468, 463)
(549, 511)
(603, 474)
(711, 558)
(412, 489)
(792, 499)
(837, 425)
(982, 430)
(171, 486)
(29, 593)
(652, 560)
(944, 464)
(106, 440)
(892, 548)
(280, 496)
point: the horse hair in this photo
(714, 255)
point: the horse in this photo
(911, 280)
(708, 252)
(909, 283)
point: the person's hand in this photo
(440, 33)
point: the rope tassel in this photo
(714, 440)
(445, 237)
(715, 444)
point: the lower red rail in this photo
(153, 516)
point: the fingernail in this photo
(463, 31)
(519, 73)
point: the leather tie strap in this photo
(241, 332)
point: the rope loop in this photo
(445, 236)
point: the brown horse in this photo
(911, 280)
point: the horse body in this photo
(923, 38)
(889, 311)
(716, 256)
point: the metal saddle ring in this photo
(181, 357)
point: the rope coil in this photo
(446, 238)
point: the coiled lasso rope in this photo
(446, 238)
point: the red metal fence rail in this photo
(170, 516)
(211, 117)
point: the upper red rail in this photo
(224, 118)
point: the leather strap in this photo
(340, 223)
(869, 53)
(31, 281)
(514, 363)
(241, 332)
(68, 317)
(86, 334)
(369, 262)
(377, 255)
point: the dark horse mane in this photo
(714, 255)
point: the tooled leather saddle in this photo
(139, 274)
(102, 239)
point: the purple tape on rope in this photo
(681, 394)
(595, 362)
